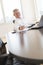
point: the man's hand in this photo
(21, 27)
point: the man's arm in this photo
(21, 27)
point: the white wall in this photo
(40, 4)
(37, 9)
(28, 9)
(5, 28)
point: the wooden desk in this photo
(31, 48)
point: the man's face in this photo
(16, 14)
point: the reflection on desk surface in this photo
(31, 47)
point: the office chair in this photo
(3, 55)
(41, 21)
(3, 59)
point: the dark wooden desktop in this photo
(27, 45)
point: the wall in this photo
(28, 9)
(37, 9)
(5, 28)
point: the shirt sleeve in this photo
(16, 25)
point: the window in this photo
(6, 10)
(9, 5)
(40, 6)
(1, 15)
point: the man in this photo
(20, 23)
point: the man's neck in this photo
(18, 17)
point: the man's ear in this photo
(14, 14)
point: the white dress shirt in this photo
(20, 22)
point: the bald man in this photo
(20, 23)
